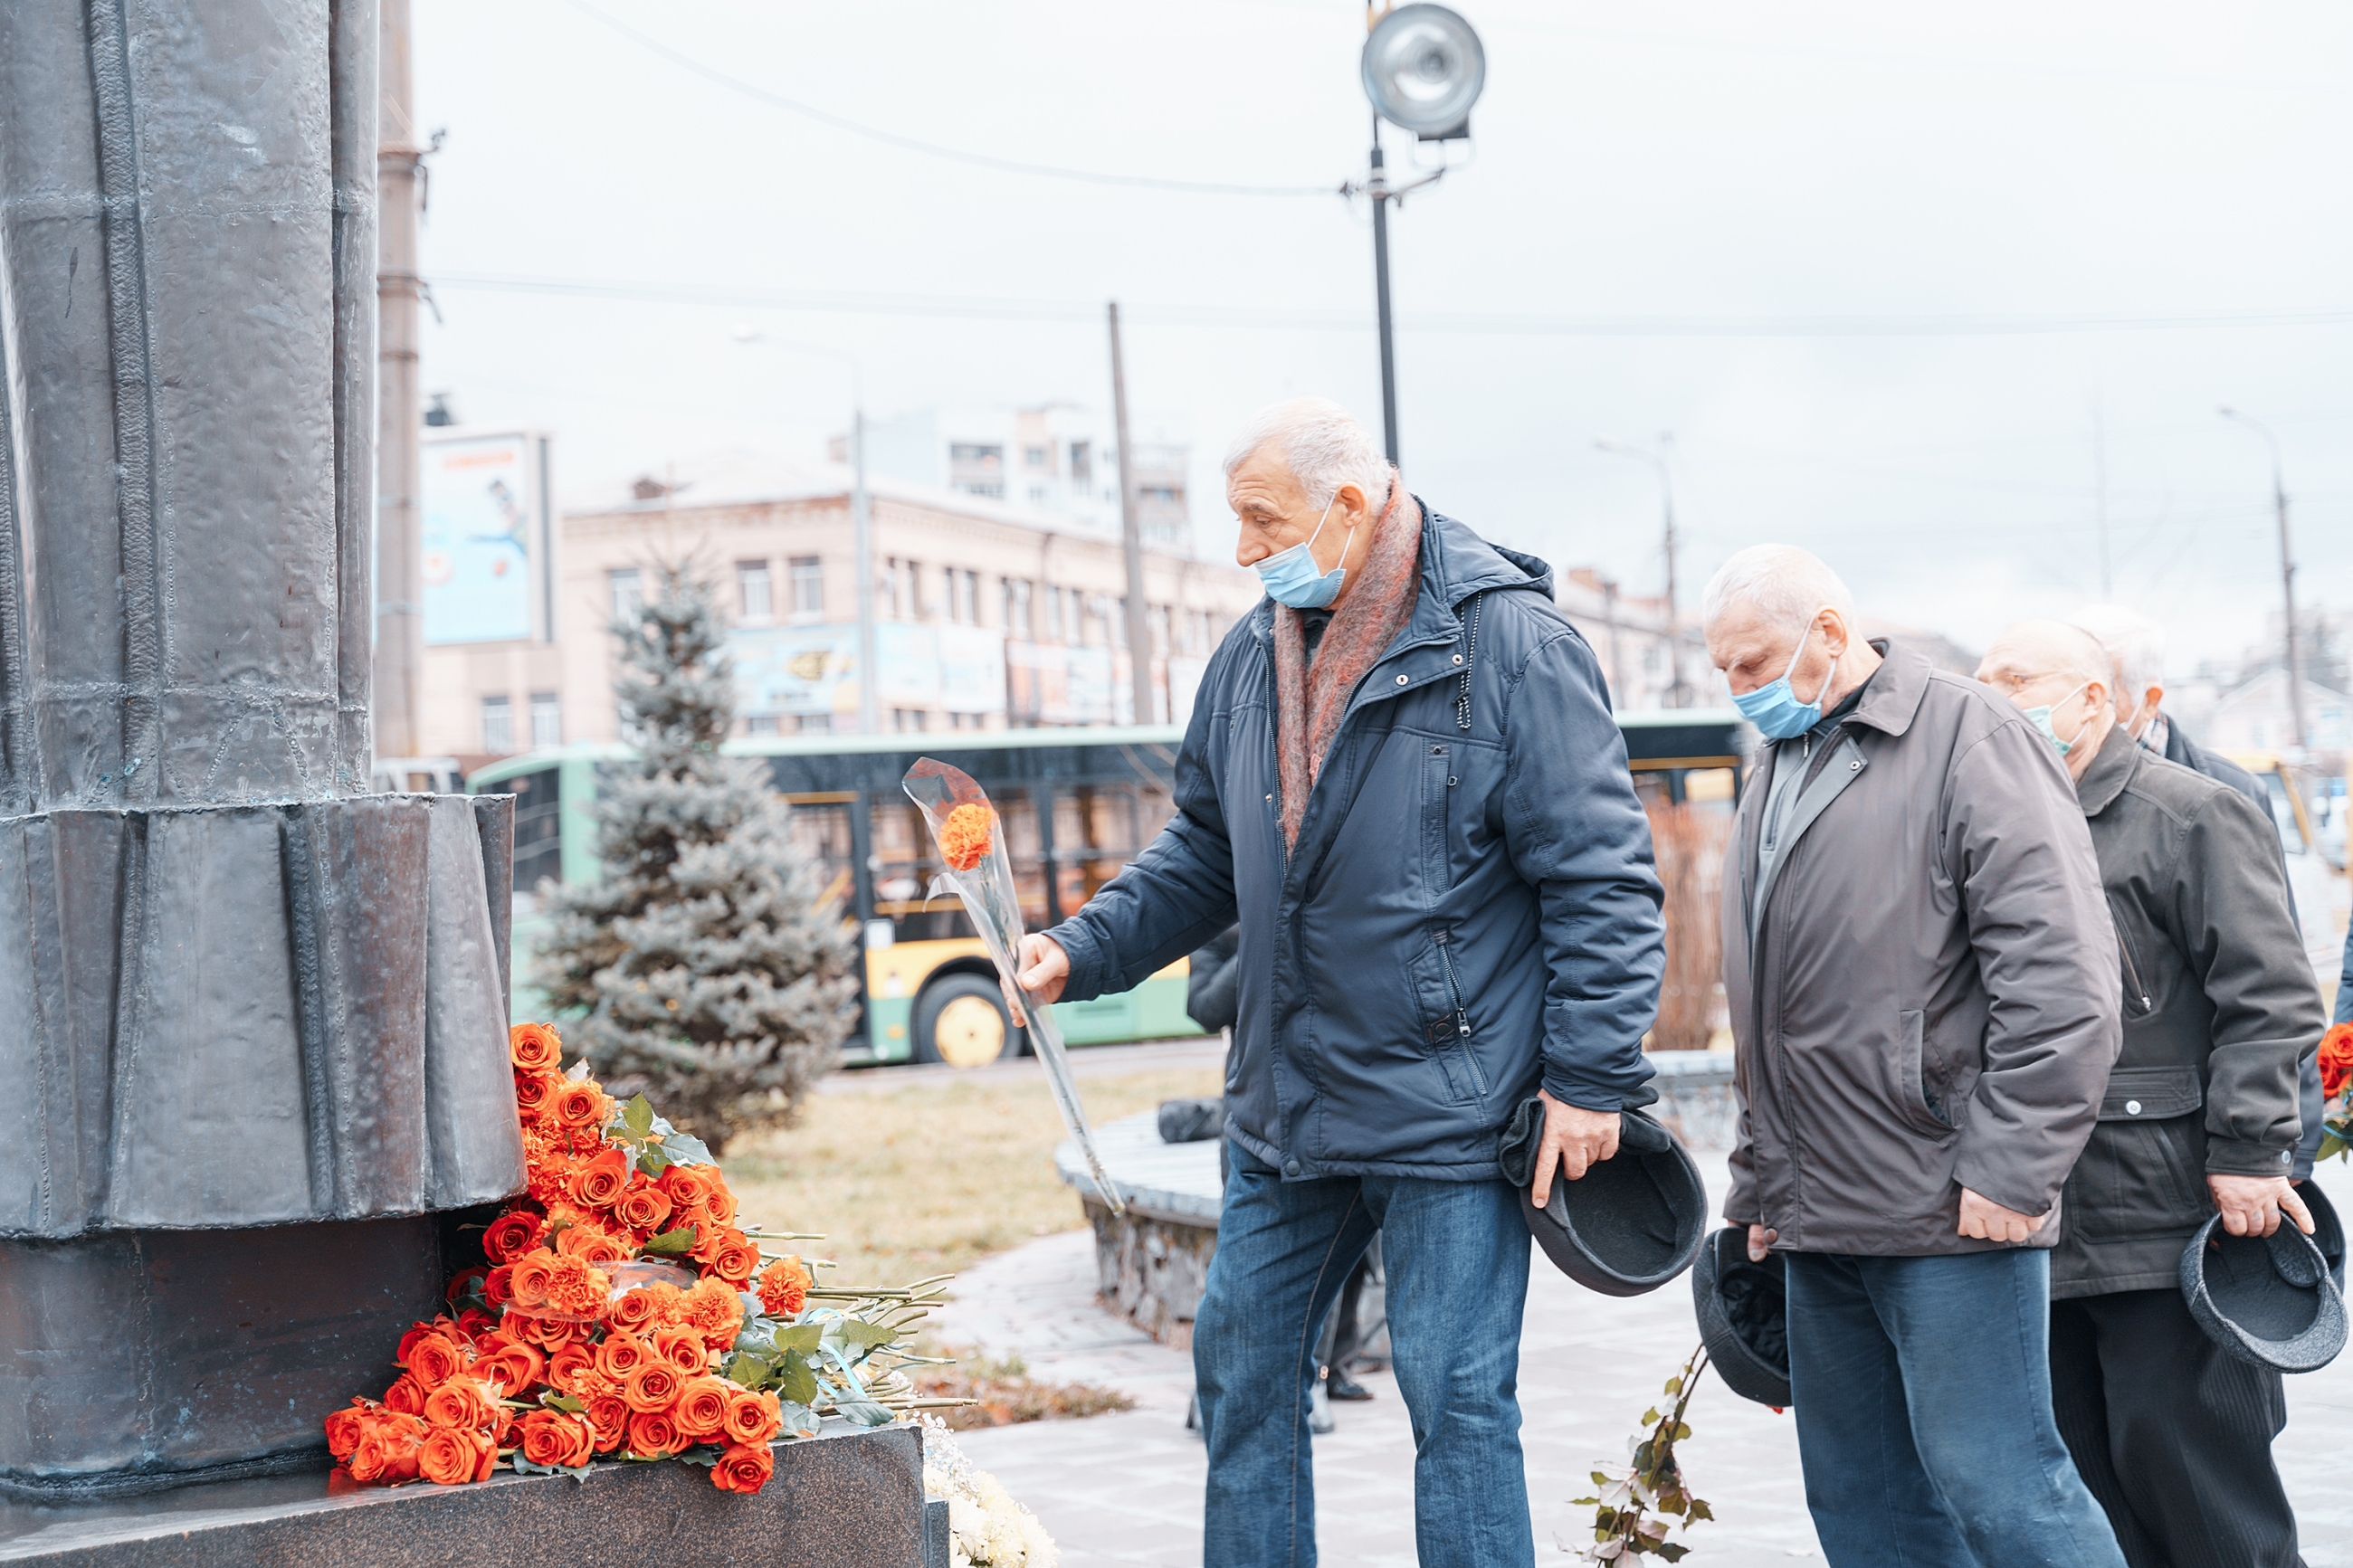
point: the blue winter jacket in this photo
(1470, 911)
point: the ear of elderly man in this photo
(1403, 781)
(1963, 982)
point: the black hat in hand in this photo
(2266, 1299)
(1630, 1222)
(1744, 1317)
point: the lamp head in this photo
(1423, 69)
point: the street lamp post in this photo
(1678, 694)
(2287, 579)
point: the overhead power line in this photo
(983, 308)
(933, 149)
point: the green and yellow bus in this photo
(1077, 804)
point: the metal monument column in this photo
(252, 1017)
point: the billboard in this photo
(797, 670)
(486, 540)
(972, 669)
(805, 670)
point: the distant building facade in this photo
(989, 612)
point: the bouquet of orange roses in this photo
(965, 827)
(2335, 1081)
(622, 1311)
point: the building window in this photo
(1082, 465)
(808, 585)
(626, 588)
(965, 721)
(546, 720)
(1016, 610)
(978, 457)
(752, 600)
(886, 590)
(815, 723)
(498, 726)
(963, 597)
(1158, 616)
(1036, 457)
(760, 724)
(1038, 494)
(911, 720)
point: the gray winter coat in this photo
(1470, 907)
(1924, 997)
(2219, 1011)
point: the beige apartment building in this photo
(989, 612)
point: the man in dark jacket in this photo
(2172, 1433)
(1419, 809)
(1921, 981)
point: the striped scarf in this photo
(1310, 699)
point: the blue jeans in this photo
(1922, 1390)
(1457, 1259)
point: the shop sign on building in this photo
(487, 539)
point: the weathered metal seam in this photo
(296, 831)
(130, 1015)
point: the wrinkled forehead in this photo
(1263, 480)
(1745, 635)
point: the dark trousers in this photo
(2172, 1434)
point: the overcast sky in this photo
(1883, 271)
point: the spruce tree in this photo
(700, 968)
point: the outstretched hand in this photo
(1043, 969)
(1574, 1138)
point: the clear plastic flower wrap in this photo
(971, 841)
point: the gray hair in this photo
(1782, 582)
(2135, 644)
(1324, 446)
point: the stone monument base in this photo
(851, 1499)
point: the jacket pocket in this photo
(2140, 1002)
(2139, 1175)
(1437, 784)
(1911, 1073)
(1446, 1022)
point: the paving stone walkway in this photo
(1126, 1489)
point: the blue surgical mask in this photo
(2041, 719)
(1774, 708)
(1291, 576)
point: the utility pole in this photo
(1131, 538)
(2100, 494)
(861, 523)
(399, 564)
(2287, 579)
(1678, 694)
(1378, 188)
(1610, 619)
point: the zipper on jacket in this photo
(1461, 1014)
(2133, 986)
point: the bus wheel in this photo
(960, 1019)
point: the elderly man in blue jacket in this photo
(1402, 779)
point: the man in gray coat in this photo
(2172, 1434)
(1920, 977)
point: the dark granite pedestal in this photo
(848, 1500)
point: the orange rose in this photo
(571, 1367)
(462, 1401)
(683, 1349)
(513, 1365)
(964, 841)
(653, 1386)
(512, 1235)
(701, 1408)
(498, 1284)
(785, 1286)
(534, 1091)
(608, 1413)
(473, 1323)
(653, 1434)
(2336, 1058)
(343, 1429)
(558, 1438)
(621, 1354)
(580, 1108)
(599, 1182)
(416, 1331)
(643, 1209)
(592, 1244)
(689, 1187)
(631, 1310)
(730, 1255)
(386, 1451)
(449, 1457)
(533, 1272)
(753, 1419)
(405, 1397)
(436, 1359)
(535, 1047)
(715, 1311)
(721, 1204)
(744, 1468)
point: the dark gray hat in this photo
(2327, 1230)
(1630, 1222)
(2266, 1299)
(1744, 1317)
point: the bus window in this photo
(538, 829)
(820, 830)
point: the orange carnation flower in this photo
(715, 1311)
(744, 1468)
(653, 1386)
(964, 838)
(535, 1047)
(754, 1419)
(701, 1408)
(2336, 1058)
(558, 1438)
(577, 1288)
(784, 1286)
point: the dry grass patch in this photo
(1003, 1393)
(925, 1180)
